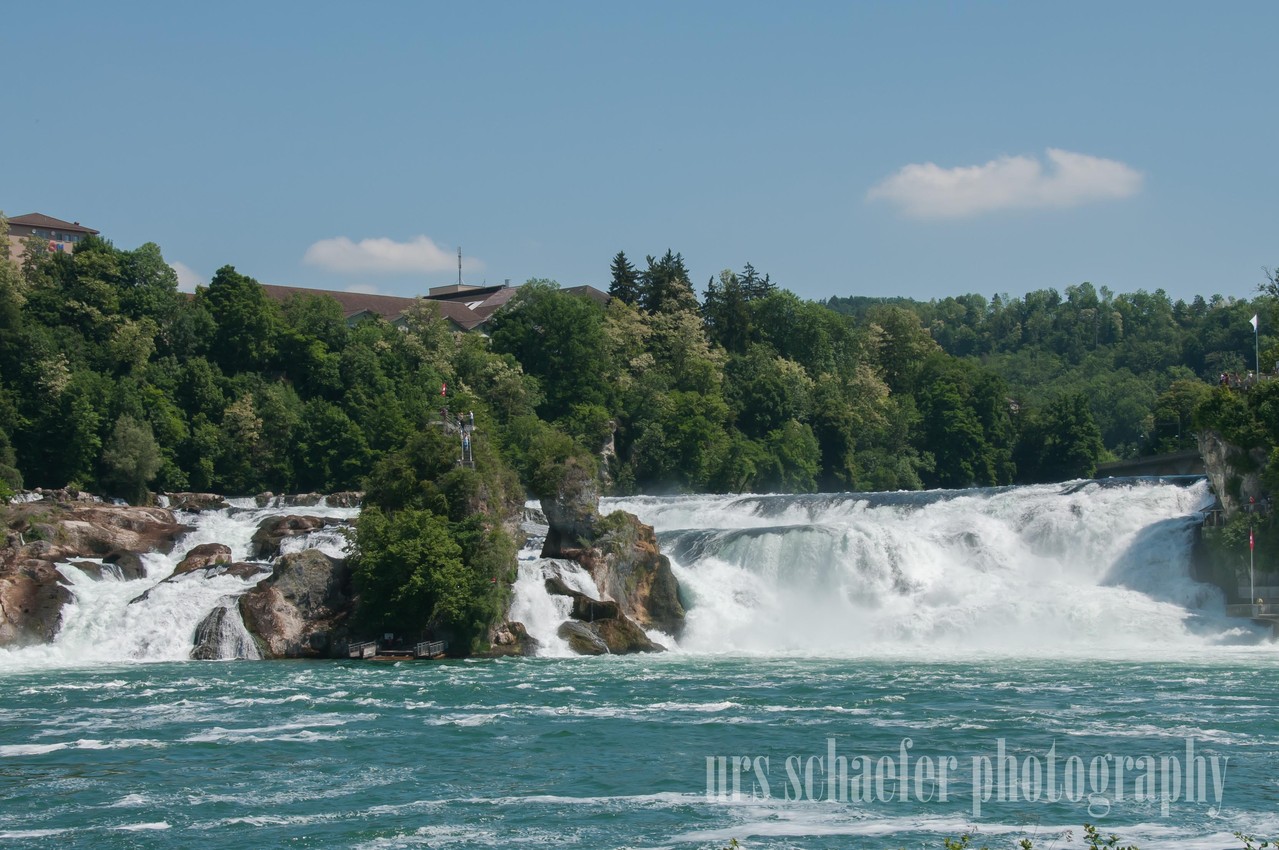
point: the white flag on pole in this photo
(1254, 322)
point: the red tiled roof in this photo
(389, 307)
(42, 220)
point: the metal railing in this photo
(366, 649)
(1255, 609)
(430, 648)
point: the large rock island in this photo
(621, 554)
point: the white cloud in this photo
(1011, 182)
(188, 278)
(383, 256)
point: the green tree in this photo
(793, 460)
(331, 452)
(1170, 425)
(965, 423)
(1059, 442)
(246, 321)
(148, 285)
(625, 282)
(408, 570)
(10, 477)
(727, 313)
(665, 285)
(130, 459)
(559, 339)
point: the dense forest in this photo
(112, 380)
(1124, 353)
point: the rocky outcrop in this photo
(511, 639)
(196, 502)
(32, 594)
(129, 564)
(266, 540)
(622, 636)
(97, 530)
(42, 533)
(619, 551)
(600, 625)
(343, 499)
(1235, 474)
(572, 512)
(582, 639)
(202, 556)
(301, 611)
(630, 568)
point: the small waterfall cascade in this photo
(156, 617)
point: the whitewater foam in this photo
(1088, 567)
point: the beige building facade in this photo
(61, 236)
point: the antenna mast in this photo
(459, 265)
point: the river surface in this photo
(857, 672)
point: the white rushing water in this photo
(1086, 566)
(154, 618)
(1083, 567)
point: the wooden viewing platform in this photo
(370, 651)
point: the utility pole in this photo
(1252, 545)
(1252, 584)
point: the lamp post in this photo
(1252, 584)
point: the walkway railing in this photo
(367, 649)
(1267, 610)
(430, 648)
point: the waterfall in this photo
(1093, 566)
(542, 613)
(221, 636)
(156, 617)
(1088, 567)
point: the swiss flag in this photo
(444, 389)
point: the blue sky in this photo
(920, 149)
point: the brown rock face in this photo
(633, 571)
(510, 639)
(204, 555)
(196, 502)
(128, 563)
(1222, 462)
(301, 610)
(42, 533)
(622, 636)
(621, 554)
(31, 599)
(266, 540)
(601, 623)
(581, 639)
(95, 530)
(217, 637)
(572, 512)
